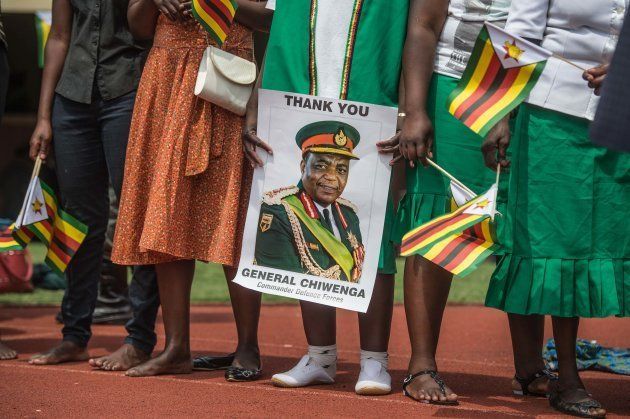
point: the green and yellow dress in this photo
(344, 49)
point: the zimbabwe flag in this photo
(458, 241)
(501, 71)
(60, 232)
(215, 16)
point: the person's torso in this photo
(463, 23)
(347, 49)
(585, 33)
(102, 52)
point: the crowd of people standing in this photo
(117, 106)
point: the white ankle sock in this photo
(325, 356)
(381, 357)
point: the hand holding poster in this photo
(317, 207)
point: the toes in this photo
(452, 397)
(116, 366)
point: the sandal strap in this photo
(525, 382)
(434, 375)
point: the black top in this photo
(101, 51)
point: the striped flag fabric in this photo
(501, 72)
(216, 17)
(60, 232)
(7, 242)
(458, 241)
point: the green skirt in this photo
(568, 208)
(457, 149)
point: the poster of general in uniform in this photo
(317, 206)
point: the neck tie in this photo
(327, 222)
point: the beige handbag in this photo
(225, 80)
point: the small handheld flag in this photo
(216, 17)
(459, 241)
(502, 70)
(42, 217)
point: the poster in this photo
(317, 206)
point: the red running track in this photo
(474, 357)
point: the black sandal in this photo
(525, 383)
(580, 409)
(408, 379)
(213, 363)
(237, 374)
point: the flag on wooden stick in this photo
(501, 72)
(216, 17)
(43, 21)
(41, 217)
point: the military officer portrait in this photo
(310, 228)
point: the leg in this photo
(246, 309)
(141, 337)
(375, 325)
(83, 182)
(374, 328)
(426, 290)
(570, 389)
(115, 120)
(527, 341)
(319, 324)
(174, 282)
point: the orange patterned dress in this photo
(187, 181)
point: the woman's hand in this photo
(173, 9)
(390, 145)
(416, 138)
(41, 139)
(250, 138)
(595, 77)
(496, 143)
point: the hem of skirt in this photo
(561, 287)
(416, 209)
(154, 256)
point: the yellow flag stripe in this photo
(47, 234)
(229, 5)
(442, 233)
(69, 230)
(517, 87)
(471, 257)
(480, 71)
(439, 247)
(209, 20)
(52, 256)
(50, 201)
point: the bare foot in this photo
(426, 389)
(125, 357)
(66, 351)
(6, 352)
(170, 361)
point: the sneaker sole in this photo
(279, 383)
(373, 391)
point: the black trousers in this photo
(90, 142)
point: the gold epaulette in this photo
(275, 197)
(348, 204)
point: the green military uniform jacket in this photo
(291, 237)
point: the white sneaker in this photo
(307, 372)
(374, 380)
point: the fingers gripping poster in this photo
(317, 207)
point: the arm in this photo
(55, 57)
(142, 17)
(528, 18)
(275, 246)
(249, 137)
(254, 15)
(426, 19)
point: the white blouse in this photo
(584, 32)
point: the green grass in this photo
(209, 286)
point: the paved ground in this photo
(475, 359)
